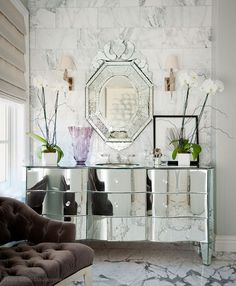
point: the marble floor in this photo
(159, 265)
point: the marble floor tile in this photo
(162, 265)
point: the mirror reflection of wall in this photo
(118, 101)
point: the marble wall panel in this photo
(158, 28)
(56, 38)
(42, 18)
(129, 3)
(175, 2)
(96, 38)
(76, 18)
(118, 17)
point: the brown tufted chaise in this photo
(49, 253)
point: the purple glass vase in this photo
(80, 142)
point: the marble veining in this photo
(164, 266)
(156, 27)
(153, 16)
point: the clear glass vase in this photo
(80, 142)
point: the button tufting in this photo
(30, 265)
(3, 256)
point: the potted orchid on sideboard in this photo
(49, 151)
(186, 147)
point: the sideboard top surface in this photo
(110, 166)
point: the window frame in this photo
(6, 183)
(15, 125)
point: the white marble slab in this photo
(76, 18)
(118, 17)
(166, 265)
(129, 3)
(158, 28)
(55, 38)
(175, 2)
(153, 17)
(43, 18)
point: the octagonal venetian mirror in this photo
(119, 94)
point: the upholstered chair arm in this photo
(19, 222)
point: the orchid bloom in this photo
(210, 86)
(188, 79)
(39, 82)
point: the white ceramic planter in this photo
(157, 162)
(49, 159)
(184, 159)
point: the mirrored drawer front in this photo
(116, 229)
(74, 180)
(80, 223)
(177, 229)
(162, 181)
(147, 204)
(153, 229)
(177, 204)
(55, 204)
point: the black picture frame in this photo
(161, 124)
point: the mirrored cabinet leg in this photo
(206, 252)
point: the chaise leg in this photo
(88, 277)
(71, 280)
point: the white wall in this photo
(226, 102)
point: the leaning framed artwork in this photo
(167, 128)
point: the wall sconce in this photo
(66, 64)
(171, 65)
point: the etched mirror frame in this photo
(119, 58)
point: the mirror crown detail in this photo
(120, 50)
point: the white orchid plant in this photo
(48, 133)
(209, 87)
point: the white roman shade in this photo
(12, 52)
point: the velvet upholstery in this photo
(18, 221)
(49, 254)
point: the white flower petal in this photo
(211, 87)
(188, 79)
(220, 85)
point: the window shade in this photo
(12, 52)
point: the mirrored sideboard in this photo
(164, 204)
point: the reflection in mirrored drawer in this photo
(117, 192)
(116, 229)
(178, 180)
(177, 229)
(178, 204)
(55, 192)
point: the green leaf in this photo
(185, 141)
(174, 141)
(174, 153)
(196, 150)
(39, 152)
(59, 153)
(37, 137)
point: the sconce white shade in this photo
(172, 62)
(66, 63)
